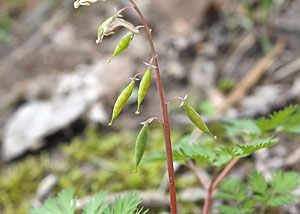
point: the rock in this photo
(175, 70)
(203, 74)
(98, 114)
(71, 96)
(46, 186)
(192, 194)
(35, 120)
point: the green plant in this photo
(248, 135)
(238, 138)
(65, 203)
(262, 195)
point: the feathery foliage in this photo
(258, 193)
(65, 203)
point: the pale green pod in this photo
(140, 145)
(197, 120)
(121, 101)
(144, 86)
(123, 44)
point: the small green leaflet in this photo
(66, 201)
(66, 204)
(262, 194)
(286, 120)
(282, 183)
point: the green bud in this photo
(123, 44)
(144, 86)
(140, 145)
(121, 101)
(196, 119)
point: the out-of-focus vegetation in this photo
(95, 162)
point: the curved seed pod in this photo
(144, 86)
(196, 119)
(121, 101)
(123, 44)
(140, 145)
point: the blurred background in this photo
(234, 59)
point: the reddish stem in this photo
(195, 170)
(166, 125)
(207, 200)
(216, 183)
(224, 173)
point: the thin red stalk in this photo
(195, 170)
(215, 184)
(224, 173)
(174, 98)
(166, 125)
(207, 200)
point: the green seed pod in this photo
(123, 44)
(121, 101)
(140, 145)
(144, 86)
(196, 119)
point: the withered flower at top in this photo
(111, 24)
(79, 3)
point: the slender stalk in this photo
(207, 200)
(224, 172)
(215, 183)
(166, 125)
(195, 170)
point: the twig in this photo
(252, 77)
(195, 170)
(224, 173)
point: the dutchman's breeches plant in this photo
(259, 136)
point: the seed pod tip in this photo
(137, 112)
(110, 124)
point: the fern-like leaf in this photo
(126, 205)
(66, 201)
(281, 200)
(257, 145)
(96, 204)
(287, 120)
(283, 183)
(233, 189)
(257, 183)
(225, 209)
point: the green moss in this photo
(89, 164)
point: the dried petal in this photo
(79, 3)
(111, 24)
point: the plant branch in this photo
(166, 125)
(195, 170)
(224, 172)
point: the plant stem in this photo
(166, 125)
(207, 200)
(195, 170)
(224, 173)
(215, 183)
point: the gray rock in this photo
(71, 96)
(192, 194)
(46, 186)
